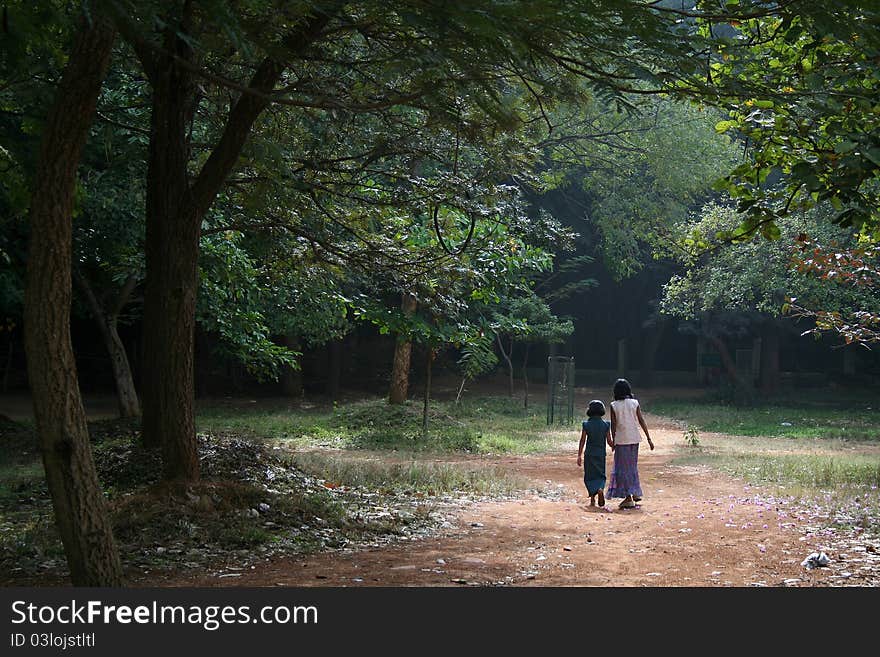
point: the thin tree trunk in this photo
(460, 389)
(402, 357)
(727, 361)
(508, 358)
(126, 394)
(80, 510)
(525, 371)
(430, 361)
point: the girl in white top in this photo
(626, 418)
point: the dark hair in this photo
(596, 408)
(622, 389)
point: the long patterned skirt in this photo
(625, 473)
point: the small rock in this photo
(816, 559)
(442, 562)
(264, 507)
(567, 548)
(476, 524)
(160, 550)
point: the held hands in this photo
(650, 443)
(580, 460)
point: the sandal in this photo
(626, 504)
(601, 498)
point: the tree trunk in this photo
(430, 362)
(126, 395)
(402, 356)
(80, 509)
(176, 204)
(292, 377)
(525, 371)
(727, 361)
(460, 390)
(508, 358)
(172, 251)
(770, 357)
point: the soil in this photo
(694, 528)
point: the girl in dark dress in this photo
(595, 433)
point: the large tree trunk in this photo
(402, 356)
(172, 251)
(770, 357)
(126, 395)
(175, 209)
(80, 509)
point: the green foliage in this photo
(231, 303)
(805, 100)
(691, 436)
(728, 287)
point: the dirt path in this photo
(695, 527)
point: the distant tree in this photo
(730, 289)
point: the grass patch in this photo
(480, 425)
(806, 470)
(426, 477)
(784, 419)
